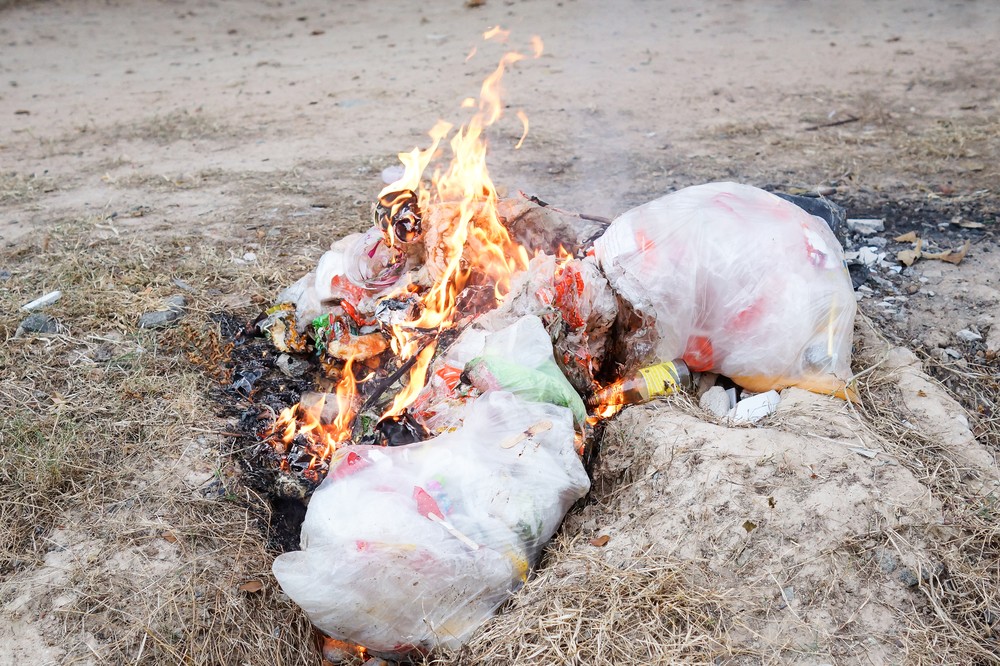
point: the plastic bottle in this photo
(647, 383)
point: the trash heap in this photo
(430, 516)
(468, 343)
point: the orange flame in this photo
(477, 242)
(472, 241)
(306, 420)
(498, 33)
(524, 122)
(537, 47)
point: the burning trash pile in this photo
(472, 343)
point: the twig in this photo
(391, 379)
(583, 216)
(835, 123)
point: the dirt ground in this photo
(214, 150)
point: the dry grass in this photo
(176, 126)
(962, 581)
(18, 187)
(125, 533)
(580, 609)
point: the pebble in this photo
(866, 227)
(181, 284)
(993, 339)
(37, 323)
(887, 562)
(908, 578)
(869, 256)
(715, 401)
(968, 335)
(163, 318)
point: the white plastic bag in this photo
(739, 282)
(411, 548)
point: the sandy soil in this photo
(229, 128)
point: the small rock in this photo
(159, 319)
(908, 578)
(715, 401)
(250, 257)
(163, 318)
(706, 380)
(181, 284)
(865, 227)
(968, 335)
(4, 276)
(887, 562)
(37, 323)
(953, 353)
(993, 339)
(869, 256)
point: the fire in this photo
(464, 241)
(476, 242)
(306, 421)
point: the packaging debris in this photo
(754, 408)
(42, 301)
(737, 281)
(456, 494)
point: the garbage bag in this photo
(410, 548)
(737, 281)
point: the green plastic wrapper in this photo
(546, 383)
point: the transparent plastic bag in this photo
(738, 281)
(410, 548)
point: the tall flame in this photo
(477, 242)
(463, 200)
